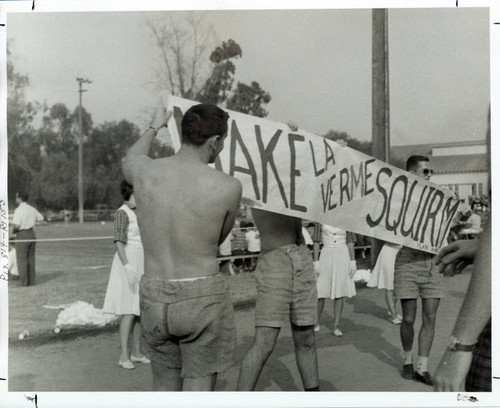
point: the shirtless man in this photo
(185, 209)
(286, 285)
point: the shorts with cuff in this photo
(188, 325)
(414, 276)
(286, 288)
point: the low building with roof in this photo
(461, 167)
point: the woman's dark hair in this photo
(126, 189)
(200, 122)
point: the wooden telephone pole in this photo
(80, 150)
(380, 97)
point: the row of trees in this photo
(43, 140)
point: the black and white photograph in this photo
(257, 199)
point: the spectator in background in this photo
(310, 232)
(253, 244)
(239, 243)
(473, 225)
(337, 267)
(66, 216)
(13, 272)
(362, 242)
(224, 249)
(122, 294)
(307, 238)
(23, 223)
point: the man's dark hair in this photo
(200, 122)
(412, 161)
(126, 189)
(23, 195)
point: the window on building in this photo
(477, 189)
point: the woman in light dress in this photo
(122, 294)
(383, 278)
(336, 267)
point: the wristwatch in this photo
(455, 345)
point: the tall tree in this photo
(103, 153)
(54, 186)
(24, 151)
(186, 71)
(249, 99)
(183, 45)
(220, 82)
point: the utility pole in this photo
(380, 97)
(80, 150)
(380, 85)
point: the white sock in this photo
(408, 357)
(422, 364)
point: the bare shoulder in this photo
(229, 183)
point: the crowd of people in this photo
(166, 281)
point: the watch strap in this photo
(463, 347)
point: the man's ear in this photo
(213, 141)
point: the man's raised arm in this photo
(139, 150)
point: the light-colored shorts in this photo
(188, 325)
(413, 276)
(286, 288)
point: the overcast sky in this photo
(316, 64)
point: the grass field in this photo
(70, 271)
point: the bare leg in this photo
(321, 306)
(136, 337)
(426, 335)
(252, 364)
(338, 307)
(200, 384)
(166, 379)
(125, 328)
(305, 354)
(406, 331)
(391, 303)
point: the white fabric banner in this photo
(304, 175)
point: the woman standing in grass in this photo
(122, 295)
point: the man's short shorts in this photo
(286, 288)
(188, 325)
(413, 276)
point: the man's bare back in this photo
(181, 207)
(185, 209)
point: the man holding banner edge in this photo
(286, 293)
(187, 314)
(413, 278)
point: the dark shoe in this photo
(408, 373)
(425, 378)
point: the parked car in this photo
(53, 215)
